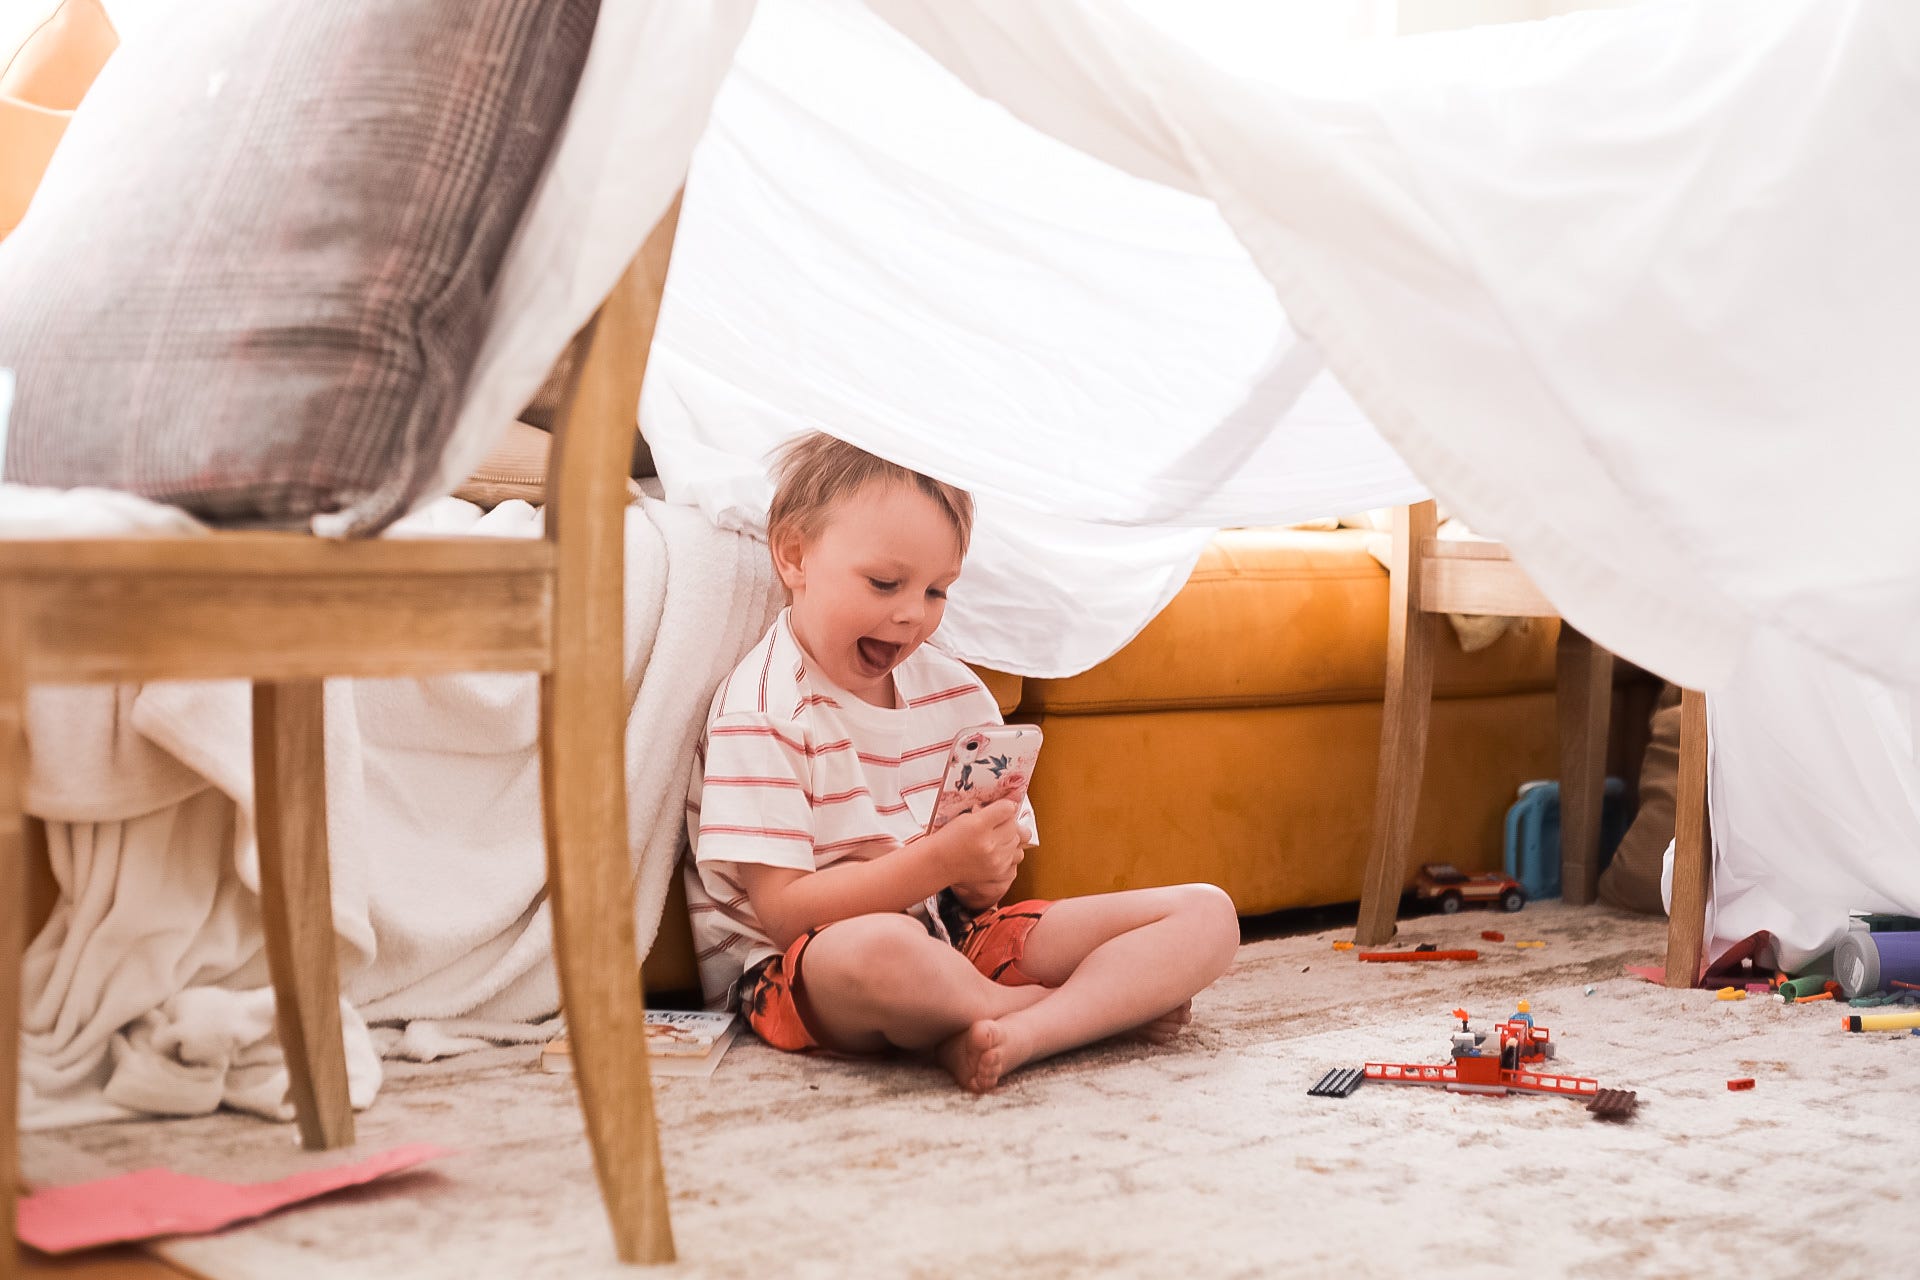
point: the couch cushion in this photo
(43, 80)
(256, 274)
(1278, 616)
(57, 62)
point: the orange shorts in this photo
(994, 941)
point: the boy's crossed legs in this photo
(1100, 965)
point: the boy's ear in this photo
(788, 549)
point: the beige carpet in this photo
(1204, 1158)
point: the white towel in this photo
(146, 991)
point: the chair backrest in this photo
(596, 418)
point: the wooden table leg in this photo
(1403, 728)
(1692, 848)
(1583, 699)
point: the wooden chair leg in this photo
(13, 918)
(1583, 696)
(1403, 729)
(1692, 848)
(590, 892)
(296, 903)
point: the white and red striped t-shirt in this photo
(795, 772)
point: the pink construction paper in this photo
(160, 1202)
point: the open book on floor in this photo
(680, 1042)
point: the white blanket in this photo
(146, 992)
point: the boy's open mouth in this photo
(876, 656)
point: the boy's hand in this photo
(981, 897)
(983, 848)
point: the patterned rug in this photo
(1203, 1158)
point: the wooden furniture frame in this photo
(287, 610)
(1692, 847)
(1430, 577)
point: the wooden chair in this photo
(287, 610)
(1430, 577)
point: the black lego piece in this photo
(1338, 1083)
(1614, 1104)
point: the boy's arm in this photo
(788, 902)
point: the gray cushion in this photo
(255, 277)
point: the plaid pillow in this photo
(256, 274)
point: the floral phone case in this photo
(987, 763)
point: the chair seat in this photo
(1459, 576)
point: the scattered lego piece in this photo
(1338, 1083)
(1614, 1104)
(1729, 993)
(1758, 988)
(1744, 1082)
(1493, 935)
(1532, 944)
(1343, 946)
(1419, 955)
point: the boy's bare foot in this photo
(977, 1057)
(1165, 1027)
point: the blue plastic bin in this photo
(1533, 834)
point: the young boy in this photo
(817, 899)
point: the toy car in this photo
(1441, 882)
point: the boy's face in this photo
(872, 586)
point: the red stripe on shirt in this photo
(766, 669)
(772, 833)
(927, 699)
(768, 731)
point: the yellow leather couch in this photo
(1236, 739)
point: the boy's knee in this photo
(863, 948)
(1211, 906)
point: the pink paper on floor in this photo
(160, 1202)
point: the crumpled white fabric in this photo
(869, 248)
(147, 989)
(1814, 796)
(1607, 282)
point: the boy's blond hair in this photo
(814, 473)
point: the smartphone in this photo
(986, 763)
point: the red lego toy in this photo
(1507, 1071)
(1441, 882)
